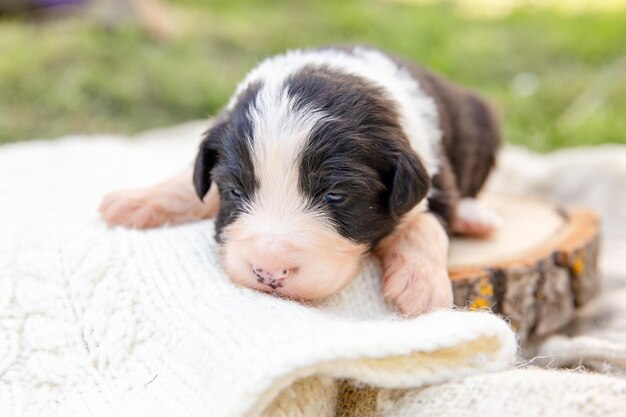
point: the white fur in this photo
(280, 133)
(417, 111)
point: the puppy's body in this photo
(324, 155)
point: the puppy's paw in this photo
(416, 284)
(474, 219)
(138, 209)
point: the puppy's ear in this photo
(410, 184)
(207, 158)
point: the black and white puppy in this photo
(324, 156)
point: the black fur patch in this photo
(359, 152)
(225, 158)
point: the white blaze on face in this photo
(280, 135)
(279, 231)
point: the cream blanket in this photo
(114, 322)
(99, 321)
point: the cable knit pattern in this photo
(105, 321)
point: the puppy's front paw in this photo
(416, 284)
(137, 209)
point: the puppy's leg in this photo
(173, 201)
(413, 258)
(474, 219)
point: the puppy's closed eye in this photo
(235, 193)
(334, 198)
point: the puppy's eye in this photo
(333, 198)
(235, 193)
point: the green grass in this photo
(74, 76)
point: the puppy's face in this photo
(312, 173)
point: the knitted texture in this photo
(106, 321)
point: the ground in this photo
(557, 77)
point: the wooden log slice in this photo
(535, 271)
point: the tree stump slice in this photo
(535, 271)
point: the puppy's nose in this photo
(269, 275)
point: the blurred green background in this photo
(555, 73)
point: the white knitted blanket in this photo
(115, 322)
(112, 322)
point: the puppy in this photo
(324, 156)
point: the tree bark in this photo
(537, 289)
